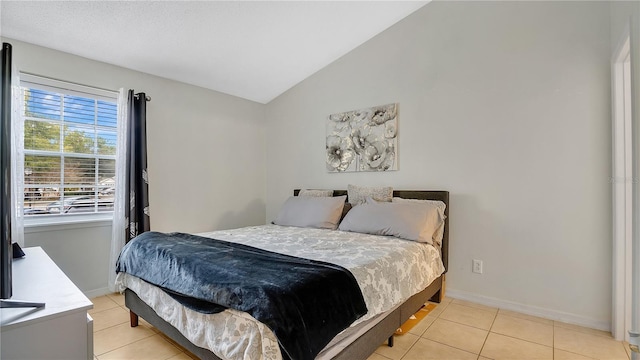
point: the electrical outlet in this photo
(477, 266)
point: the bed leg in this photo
(133, 318)
(390, 341)
(439, 296)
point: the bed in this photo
(357, 342)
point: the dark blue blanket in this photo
(304, 302)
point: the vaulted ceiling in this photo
(254, 50)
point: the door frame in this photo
(622, 186)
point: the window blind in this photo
(70, 134)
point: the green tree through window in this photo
(70, 147)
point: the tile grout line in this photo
(532, 318)
(410, 347)
(108, 327)
(420, 336)
(475, 327)
(488, 333)
(449, 345)
(583, 330)
(575, 353)
(100, 311)
(438, 342)
(114, 325)
(146, 337)
(525, 340)
(584, 333)
(104, 310)
(154, 334)
(497, 333)
(120, 347)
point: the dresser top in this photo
(36, 278)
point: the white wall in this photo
(80, 250)
(507, 106)
(205, 159)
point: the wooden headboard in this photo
(421, 195)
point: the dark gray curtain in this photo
(136, 207)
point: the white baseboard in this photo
(530, 310)
(97, 292)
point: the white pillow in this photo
(316, 193)
(439, 233)
(313, 212)
(410, 221)
(359, 194)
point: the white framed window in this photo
(70, 137)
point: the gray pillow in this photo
(359, 194)
(439, 233)
(410, 221)
(313, 212)
(316, 193)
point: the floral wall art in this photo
(363, 140)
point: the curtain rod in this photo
(147, 97)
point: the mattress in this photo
(388, 271)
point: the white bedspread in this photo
(388, 271)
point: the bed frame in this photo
(364, 345)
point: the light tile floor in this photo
(113, 338)
(455, 329)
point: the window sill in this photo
(56, 223)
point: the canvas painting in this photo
(363, 140)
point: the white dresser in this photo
(60, 330)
